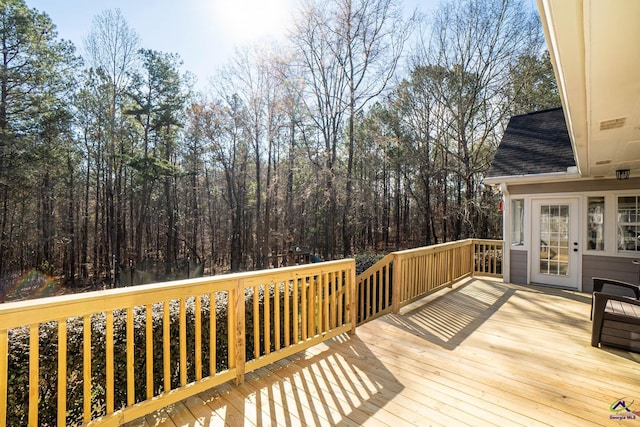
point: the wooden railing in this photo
(405, 276)
(108, 357)
(120, 354)
(488, 257)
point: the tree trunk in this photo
(70, 249)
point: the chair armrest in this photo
(599, 282)
(601, 298)
(599, 303)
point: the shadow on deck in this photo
(342, 383)
(449, 317)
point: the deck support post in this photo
(241, 354)
(396, 283)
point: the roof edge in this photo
(571, 174)
(546, 110)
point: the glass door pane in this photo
(554, 240)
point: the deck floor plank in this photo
(483, 353)
(326, 395)
(488, 390)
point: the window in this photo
(517, 222)
(628, 223)
(595, 223)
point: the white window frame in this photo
(619, 224)
(523, 222)
(603, 223)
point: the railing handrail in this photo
(431, 248)
(46, 309)
(440, 247)
(382, 261)
(487, 241)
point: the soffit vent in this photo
(613, 123)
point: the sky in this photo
(203, 32)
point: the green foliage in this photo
(366, 260)
(534, 85)
(154, 167)
(36, 82)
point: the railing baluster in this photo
(387, 284)
(311, 312)
(377, 300)
(149, 348)
(276, 315)
(166, 346)
(213, 313)
(322, 301)
(361, 287)
(256, 321)
(109, 361)
(485, 264)
(411, 264)
(287, 314)
(303, 303)
(233, 296)
(266, 307)
(375, 303)
(131, 384)
(333, 297)
(368, 290)
(198, 337)
(86, 366)
(4, 374)
(417, 275)
(295, 311)
(327, 307)
(183, 342)
(34, 373)
(339, 294)
(422, 273)
(62, 373)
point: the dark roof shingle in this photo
(534, 143)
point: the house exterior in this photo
(570, 176)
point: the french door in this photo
(555, 251)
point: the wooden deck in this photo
(484, 353)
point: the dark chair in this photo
(600, 282)
(616, 321)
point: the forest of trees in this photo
(367, 130)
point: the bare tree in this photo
(375, 34)
(322, 54)
(112, 47)
(473, 46)
(253, 78)
(350, 51)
